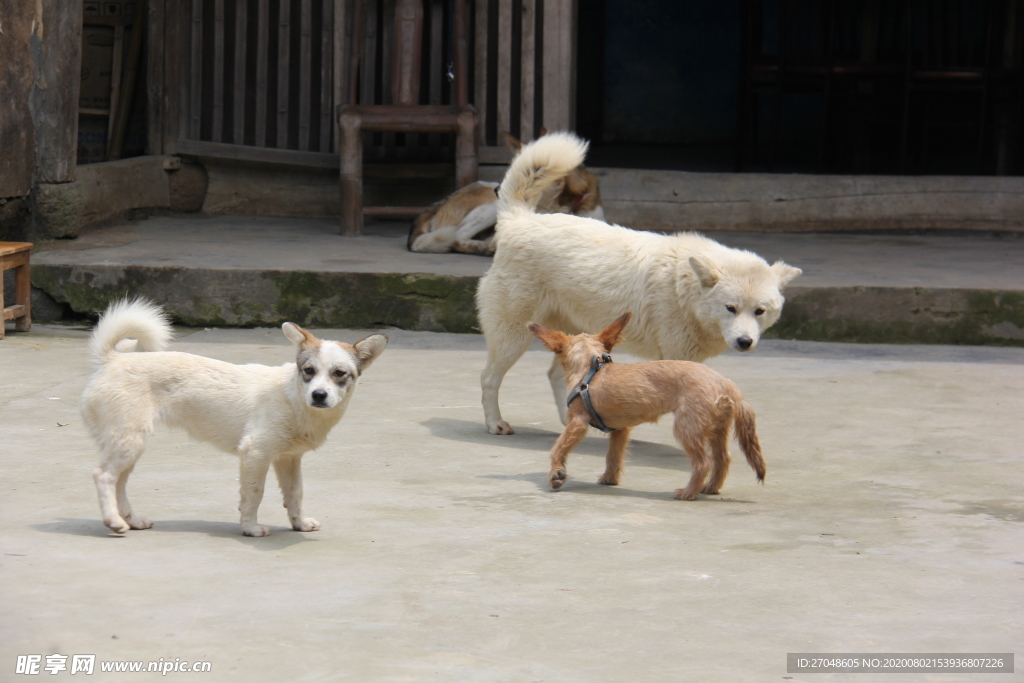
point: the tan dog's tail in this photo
(540, 164)
(129, 325)
(747, 436)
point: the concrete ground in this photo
(890, 521)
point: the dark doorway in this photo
(660, 85)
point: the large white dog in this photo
(691, 297)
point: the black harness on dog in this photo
(583, 392)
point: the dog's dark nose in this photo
(319, 396)
(744, 343)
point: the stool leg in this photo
(466, 148)
(3, 322)
(23, 296)
(351, 149)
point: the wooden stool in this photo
(15, 255)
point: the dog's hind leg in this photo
(690, 435)
(289, 476)
(253, 470)
(567, 440)
(617, 441)
(506, 343)
(124, 507)
(719, 442)
(557, 378)
(111, 478)
(720, 461)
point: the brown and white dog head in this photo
(328, 370)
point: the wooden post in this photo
(350, 123)
(56, 89)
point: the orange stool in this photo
(15, 255)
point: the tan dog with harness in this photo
(615, 398)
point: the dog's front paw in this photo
(683, 494)
(556, 479)
(256, 530)
(710, 490)
(500, 427)
(609, 479)
(306, 524)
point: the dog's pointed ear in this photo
(297, 335)
(612, 335)
(706, 274)
(512, 142)
(785, 273)
(368, 348)
(552, 339)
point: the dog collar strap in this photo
(583, 392)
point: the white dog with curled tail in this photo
(264, 415)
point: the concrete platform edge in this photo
(444, 303)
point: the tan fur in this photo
(464, 221)
(705, 406)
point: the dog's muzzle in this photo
(319, 399)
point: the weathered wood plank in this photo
(262, 61)
(155, 28)
(559, 64)
(305, 77)
(176, 25)
(344, 17)
(504, 66)
(327, 72)
(265, 154)
(283, 54)
(195, 80)
(217, 124)
(59, 68)
(238, 99)
(480, 69)
(115, 82)
(527, 76)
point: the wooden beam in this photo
(222, 150)
(154, 76)
(238, 97)
(57, 86)
(283, 54)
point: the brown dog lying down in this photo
(705, 404)
(464, 221)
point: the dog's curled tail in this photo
(129, 325)
(540, 164)
(747, 435)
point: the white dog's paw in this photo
(500, 427)
(306, 524)
(136, 522)
(256, 530)
(118, 526)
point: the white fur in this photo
(264, 415)
(578, 274)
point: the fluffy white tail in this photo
(540, 164)
(129, 325)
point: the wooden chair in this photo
(16, 255)
(403, 113)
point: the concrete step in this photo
(260, 271)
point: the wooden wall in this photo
(261, 79)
